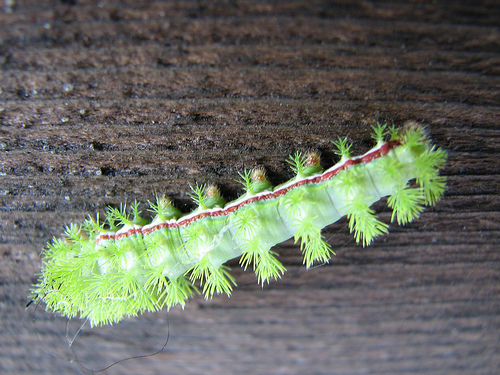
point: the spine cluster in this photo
(126, 265)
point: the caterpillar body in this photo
(125, 266)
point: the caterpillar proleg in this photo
(127, 265)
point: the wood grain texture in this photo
(109, 102)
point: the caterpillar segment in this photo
(126, 265)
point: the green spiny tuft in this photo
(427, 167)
(168, 292)
(73, 233)
(263, 261)
(312, 244)
(350, 181)
(246, 181)
(390, 169)
(195, 239)
(137, 219)
(214, 280)
(92, 226)
(394, 132)
(414, 138)
(293, 202)
(407, 204)
(118, 215)
(379, 132)
(434, 188)
(298, 164)
(343, 148)
(179, 291)
(110, 221)
(246, 224)
(363, 222)
(198, 196)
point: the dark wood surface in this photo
(109, 102)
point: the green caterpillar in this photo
(125, 266)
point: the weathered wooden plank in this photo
(102, 103)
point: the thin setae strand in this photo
(72, 337)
